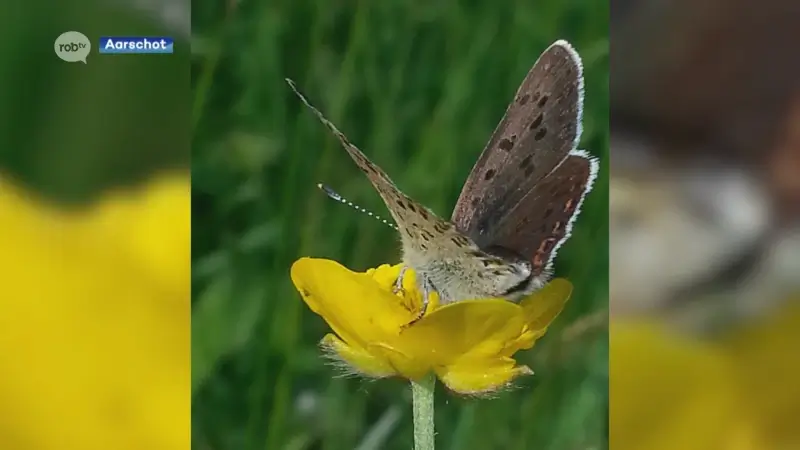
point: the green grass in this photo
(419, 86)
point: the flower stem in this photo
(422, 399)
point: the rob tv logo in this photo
(73, 46)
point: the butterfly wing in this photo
(540, 128)
(418, 226)
(542, 220)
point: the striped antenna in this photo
(334, 195)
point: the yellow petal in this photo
(357, 359)
(409, 366)
(540, 309)
(353, 304)
(543, 306)
(481, 376)
(471, 327)
(385, 275)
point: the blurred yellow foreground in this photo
(672, 391)
(94, 328)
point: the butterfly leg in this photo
(398, 284)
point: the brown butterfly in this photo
(518, 204)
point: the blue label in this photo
(136, 45)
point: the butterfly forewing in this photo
(419, 227)
(541, 126)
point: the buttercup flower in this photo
(468, 344)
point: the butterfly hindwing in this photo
(542, 220)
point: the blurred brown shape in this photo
(705, 142)
(712, 78)
(785, 164)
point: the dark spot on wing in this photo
(489, 174)
(537, 122)
(474, 202)
(524, 99)
(540, 134)
(525, 162)
(411, 207)
(460, 241)
(522, 223)
(505, 144)
(401, 204)
(441, 227)
(423, 213)
(529, 170)
(543, 100)
(408, 232)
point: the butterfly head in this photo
(513, 276)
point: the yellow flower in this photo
(94, 329)
(467, 344)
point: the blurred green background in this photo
(69, 133)
(419, 86)
(72, 130)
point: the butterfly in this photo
(518, 204)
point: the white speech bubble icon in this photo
(73, 46)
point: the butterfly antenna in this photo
(334, 195)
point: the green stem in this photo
(422, 399)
